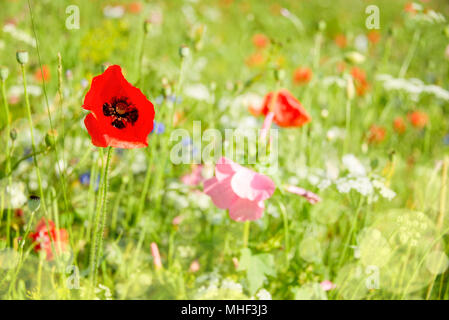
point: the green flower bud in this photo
(147, 26)
(184, 51)
(34, 202)
(350, 88)
(50, 138)
(446, 31)
(13, 134)
(22, 57)
(4, 73)
(354, 57)
(322, 25)
(279, 74)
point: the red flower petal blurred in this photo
(377, 134)
(43, 75)
(418, 119)
(288, 111)
(260, 40)
(49, 239)
(399, 125)
(121, 117)
(302, 75)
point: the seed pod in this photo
(34, 202)
(50, 138)
(354, 57)
(279, 74)
(184, 51)
(22, 57)
(4, 73)
(350, 88)
(13, 134)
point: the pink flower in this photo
(195, 266)
(156, 255)
(194, 178)
(177, 220)
(238, 189)
(327, 285)
(311, 197)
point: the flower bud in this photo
(13, 134)
(184, 51)
(354, 57)
(446, 31)
(22, 57)
(4, 73)
(322, 25)
(279, 74)
(50, 138)
(34, 202)
(147, 26)
(350, 88)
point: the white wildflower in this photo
(32, 90)
(114, 12)
(333, 80)
(354, 165)
(361, 43)
(15, 196)
(263, 294)
(197, 91)
(335, 133)
(12, 30)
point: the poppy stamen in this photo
(122, 111)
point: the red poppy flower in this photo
(255, 60)
(302, 75)
(260, 40)
(42, 75)
(135, 7)
(361, 84)
(121, 117)
(399, 125)
(49, 238)
(288, 111)
(341, 41)
(376, 134)
(418, 119)
(374, 36)
(410, 8)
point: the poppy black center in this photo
(121, 111)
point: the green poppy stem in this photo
(33, 143)
(100, 222)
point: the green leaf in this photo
(257, 268)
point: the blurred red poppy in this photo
(410, 8)
(43, 75)
(121, 117)
(49, 239)
(135, 7)
(302, 75)
(288, 111)
(360, 82)
(255, 60)
(260, 40)
(399, 125)
(376, 134)
(418, 119)
(374, 36)
(341, 41)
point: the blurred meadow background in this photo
(375, 154)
